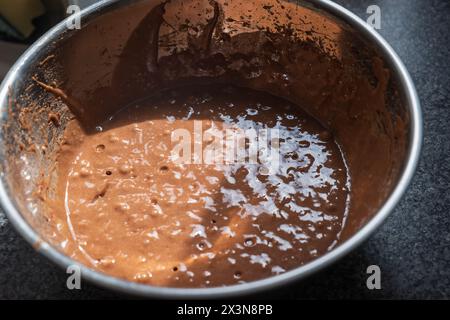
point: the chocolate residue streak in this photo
(75, 106)
(108, 191)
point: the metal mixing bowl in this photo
(23, 216)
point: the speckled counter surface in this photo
(412, 248)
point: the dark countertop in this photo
(412, 248)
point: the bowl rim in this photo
(128, 287)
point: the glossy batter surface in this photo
(128, 209)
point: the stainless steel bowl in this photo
(12, 199)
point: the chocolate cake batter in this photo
(135, 213)
(94, 149)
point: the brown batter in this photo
(134, 213)
(95, 175)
